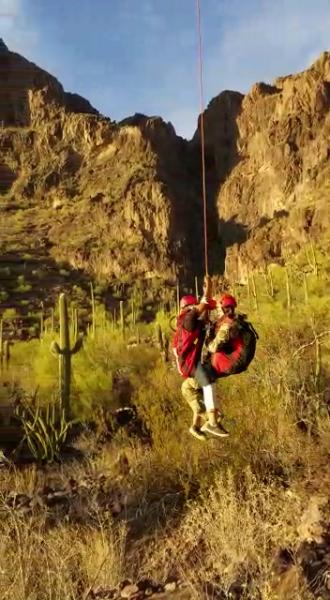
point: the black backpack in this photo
(250, 337)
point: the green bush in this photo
(9, 313)
(283, 387)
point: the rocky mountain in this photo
(122, 201)
(115, 200)
(273, 166)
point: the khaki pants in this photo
(193, 394)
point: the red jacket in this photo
(227, 346)
(188, 342)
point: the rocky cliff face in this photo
(113, 199)
(123, 200)
(276, 190)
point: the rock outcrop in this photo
(113, 199)
(122, 201)
(276, 188)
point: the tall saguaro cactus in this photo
(93, 311)
(64, 351)
(122, 320)
(1, 341)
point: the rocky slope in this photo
(276, 169)
(121, 201)
(114, 200)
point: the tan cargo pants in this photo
(193, 394)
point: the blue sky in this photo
(128, 56)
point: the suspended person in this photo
(187, 346)
(229, 348)
(231, 345)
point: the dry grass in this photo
(216, 515)
(40, 562)
(232, 533)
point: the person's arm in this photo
(202, 307)
(222, 336)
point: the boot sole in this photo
(213, 434)
(197, 437)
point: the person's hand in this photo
(207, 287)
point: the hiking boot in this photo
(197, 433)
(218, 430)
(223, 429)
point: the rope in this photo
(201, 97)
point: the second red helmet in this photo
(227, 300)
(188, 301)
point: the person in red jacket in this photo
(187, 346)
(232, 346)
(227, 336)
(229, 348)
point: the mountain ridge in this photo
(122, 201)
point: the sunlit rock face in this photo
(124, 200)
(276, 195)
(115, 199)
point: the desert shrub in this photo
(164, 319)
(230, 534)
(98, 362)
(217, 512)
(62, 562)
(9, 313)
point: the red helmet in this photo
(227, 300)
(188, 301)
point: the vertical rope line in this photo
(201, 97)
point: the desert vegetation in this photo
(143, 502)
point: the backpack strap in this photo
(253, 330)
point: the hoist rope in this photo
(201, 122)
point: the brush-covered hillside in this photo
(138, 508)
(83, 197)
(105, 494)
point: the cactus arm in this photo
(55, 349)
(77, 346)
(1, 339)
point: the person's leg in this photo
(206, 376)
(213, 424)
(211, 402)
(192, 393)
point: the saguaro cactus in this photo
(64, 352)
(1, 341)
(42, 325)
(122, 320)
(93, 311)
(52, 320)
(269, 282)
(6, 352)
(163, 343)
(288, 289)
(133, 311)
(196, 287)
(4, 348)
(159, 335)
(254, 292)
